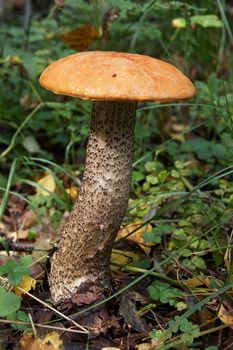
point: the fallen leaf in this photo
(21, 234)
(128, 311)
(88, 293)
(54, 339)
(119, 259)
(48, 185)
(226, 316)
(80, 39)
(136, 237)
(51, 341)
(72, 192)
(27, 219)
(196, 281)
(27, 283)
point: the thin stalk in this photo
(62, 329)
(26, 120)
(54, 310)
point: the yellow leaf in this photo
(196, 281)
(53, 338)
(119, 259)
(51, 341)
(48, 184)
(178, 23)
(226, 316)
(81, 38)
(136, 237)
(72, 192)
(27, 283)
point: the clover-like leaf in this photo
(9, 302)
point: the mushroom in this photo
(115, 81)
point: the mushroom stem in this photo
(86, 239)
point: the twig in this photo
(26, 120)
(32, 324)
(54, 310)
(42, 326)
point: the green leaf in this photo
(14, 270)
(154, 236)
(179, 235)
(199, 262)
(8, 267)
(179, 22)
(25, 260)
(17, 274)
(29, 63)
(186, 326)
(163, 229)
(9, 302)
(137, 176)
(151, 237)
(19, 316)
(181, 306)
(153, 180)
(156, 334)
(150, 166)
(207, 21)
(205, 149)
(186, 252)
(163, 292)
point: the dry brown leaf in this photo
(60, 3)
(21, 234)
(51, 341)
(108, 18)
(226, 316)
(136, 237)
(28, 219)
(27, 283)
(81, 38)
(196, 281)
(48, 184)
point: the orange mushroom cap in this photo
(103, 75)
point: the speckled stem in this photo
(86, 239)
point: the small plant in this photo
(13, 273)
(164, 293)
